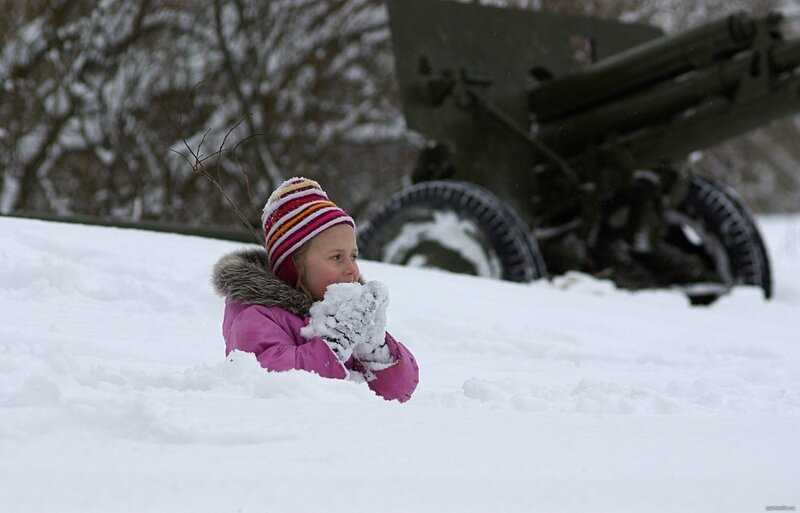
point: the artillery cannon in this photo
(558, 143)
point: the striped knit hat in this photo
(295, 213)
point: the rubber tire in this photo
(722, 213)
(520, 259)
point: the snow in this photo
(357, 310)
(453, 232)
(10, 191)
(565, 396)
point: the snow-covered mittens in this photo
(351, 317)
(373, 352)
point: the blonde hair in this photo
(298, 259)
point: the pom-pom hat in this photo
(295, 213)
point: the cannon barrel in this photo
(711, 123)
(640, 66)
(570, 135)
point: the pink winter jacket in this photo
(264, 316)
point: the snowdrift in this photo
(569, 395)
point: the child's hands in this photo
(349, 316)
(373, 350)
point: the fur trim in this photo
(245, 277)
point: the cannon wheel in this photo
(455, 226)
(713, 220)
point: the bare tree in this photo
(99, 94)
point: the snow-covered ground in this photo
(568, 396)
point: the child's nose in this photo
(352, 269)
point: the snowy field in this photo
(563, 396)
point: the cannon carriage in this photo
(563, 143)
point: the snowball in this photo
(360, 310)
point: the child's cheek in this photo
(331, 278)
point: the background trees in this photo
(100, 98)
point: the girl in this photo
(302, 304)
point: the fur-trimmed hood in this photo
(245, 277)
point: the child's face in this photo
(330, 258)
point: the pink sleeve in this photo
(400, 380)
(257, 332)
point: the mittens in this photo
(374, 350)
(349, 316)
